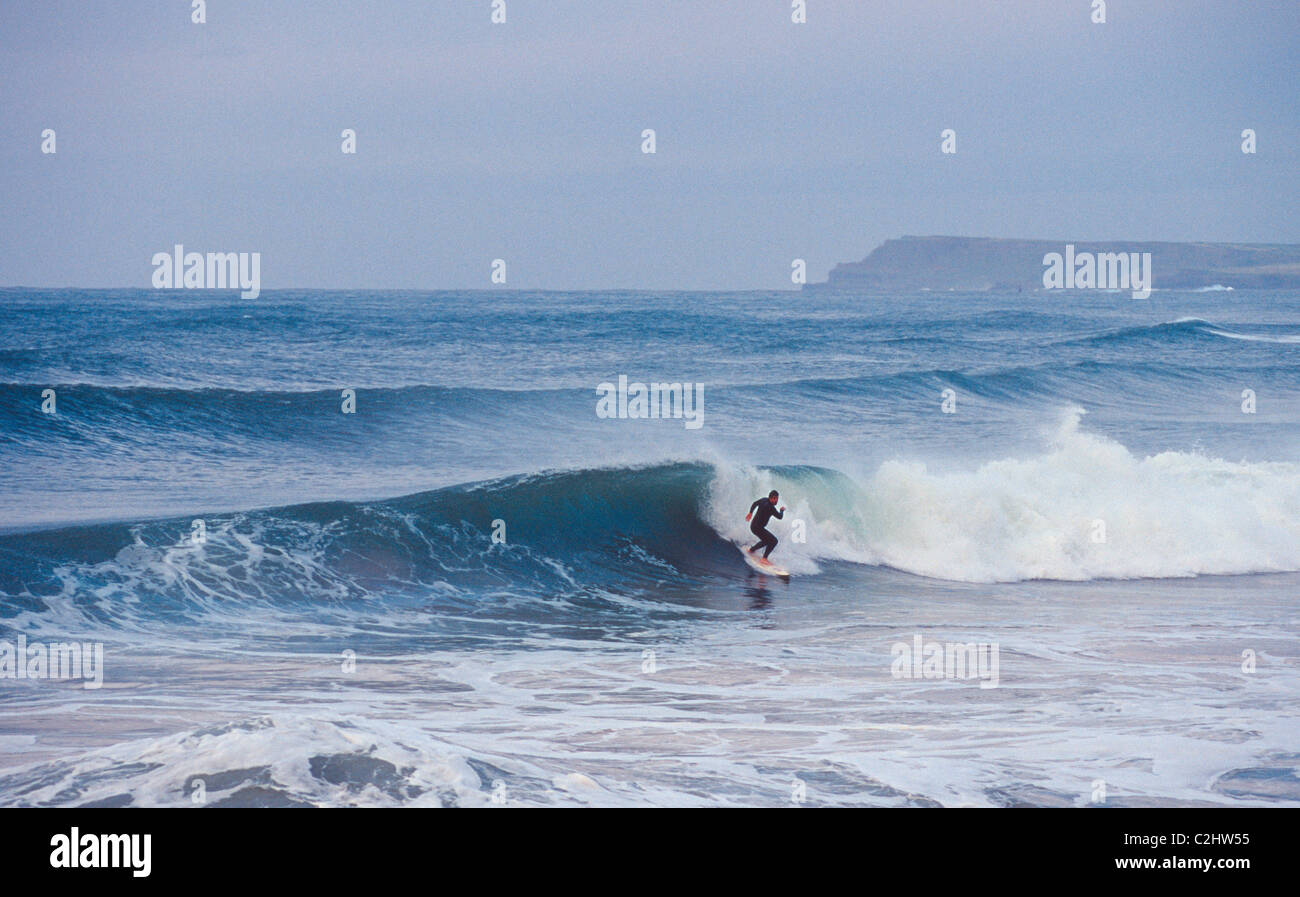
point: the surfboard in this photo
(769, 568)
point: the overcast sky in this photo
(522, 141)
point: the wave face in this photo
(567, 544)
(593, 544)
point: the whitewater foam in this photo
(1087, 508)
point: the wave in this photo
(1085, 509)
(573, 545)
(222, 420)
(218, 418)
(285, 760)
(1182, 330)
(577, 541)
(1257, 337)
(1228, 333)
(1090, 382)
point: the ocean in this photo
(382, 548)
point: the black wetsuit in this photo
(763, 511)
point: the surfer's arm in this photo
(752, 507)
(779, 514)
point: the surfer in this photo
(766, 511)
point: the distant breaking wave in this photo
(1184, 329)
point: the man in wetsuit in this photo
(766, 511)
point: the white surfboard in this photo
(762, 566)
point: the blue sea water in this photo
(1094, 502)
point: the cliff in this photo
(985, 263)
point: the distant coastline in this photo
(988, 263)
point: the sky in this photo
(522, 141)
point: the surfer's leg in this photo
(770, 541)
